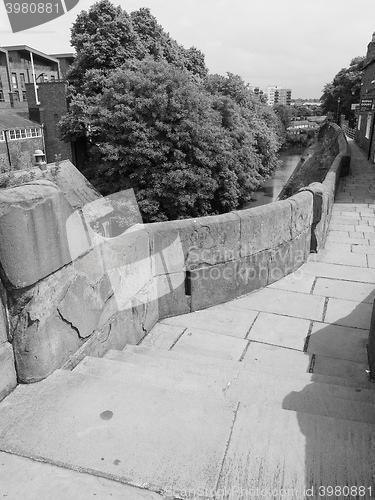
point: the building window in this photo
(22, 80)
(52, 79)
(2, 136)
(45, 78)
(368, 126)
(24, 98)
(14, 81)
(1, 91)
(25, 133)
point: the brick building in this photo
(19, 64)
(365, 127)
(49, 109)
(19, 138)
(33, 82)
(65, 61)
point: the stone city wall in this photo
(70, 292)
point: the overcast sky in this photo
(297, 44)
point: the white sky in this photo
(299, 44)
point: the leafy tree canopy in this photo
(344, 90)
(189, 143)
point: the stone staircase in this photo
(265, 396)
(186, 425)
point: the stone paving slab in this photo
(348, 313)
(273, 357)
(279, 330)
(341, 272)
(295, 282)
(130, 432)
(364, 229)
(339, 342)
(282, 302)
(294, 394)
(309, 451)
(25, 479)
(358, 236)
(342, 227)
(341, 234)
(194, 341)
(364, 249)
(342, 247)
(341, 258)
(347, 290)
(217, 320)
(163, 336)
(343, 221)
(334, 367)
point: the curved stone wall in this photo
(113, 290)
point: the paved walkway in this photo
(323, 309)
(268, 391)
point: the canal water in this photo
(273, 186)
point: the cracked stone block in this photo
(32, 232)
(81, 307)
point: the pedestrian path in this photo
(266, 396)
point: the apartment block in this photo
(278, 95)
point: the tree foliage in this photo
(189, 143)
(344, 90)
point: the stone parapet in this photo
(71, 293)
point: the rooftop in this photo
(10, 118)
(27, 49)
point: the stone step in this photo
(22, 478)
(165, 440)
(273, 451)
(245, 384)
(263, 357)
(149, 435)
(187, 363)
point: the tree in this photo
(103, 37)
(344, 90)
(189, 144)
(265, 126)
(154, 129)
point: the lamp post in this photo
(338, 111)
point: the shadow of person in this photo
(336, 412)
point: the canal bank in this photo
(273, 186)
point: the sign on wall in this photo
(366, 104)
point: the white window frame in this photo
(24, 133)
